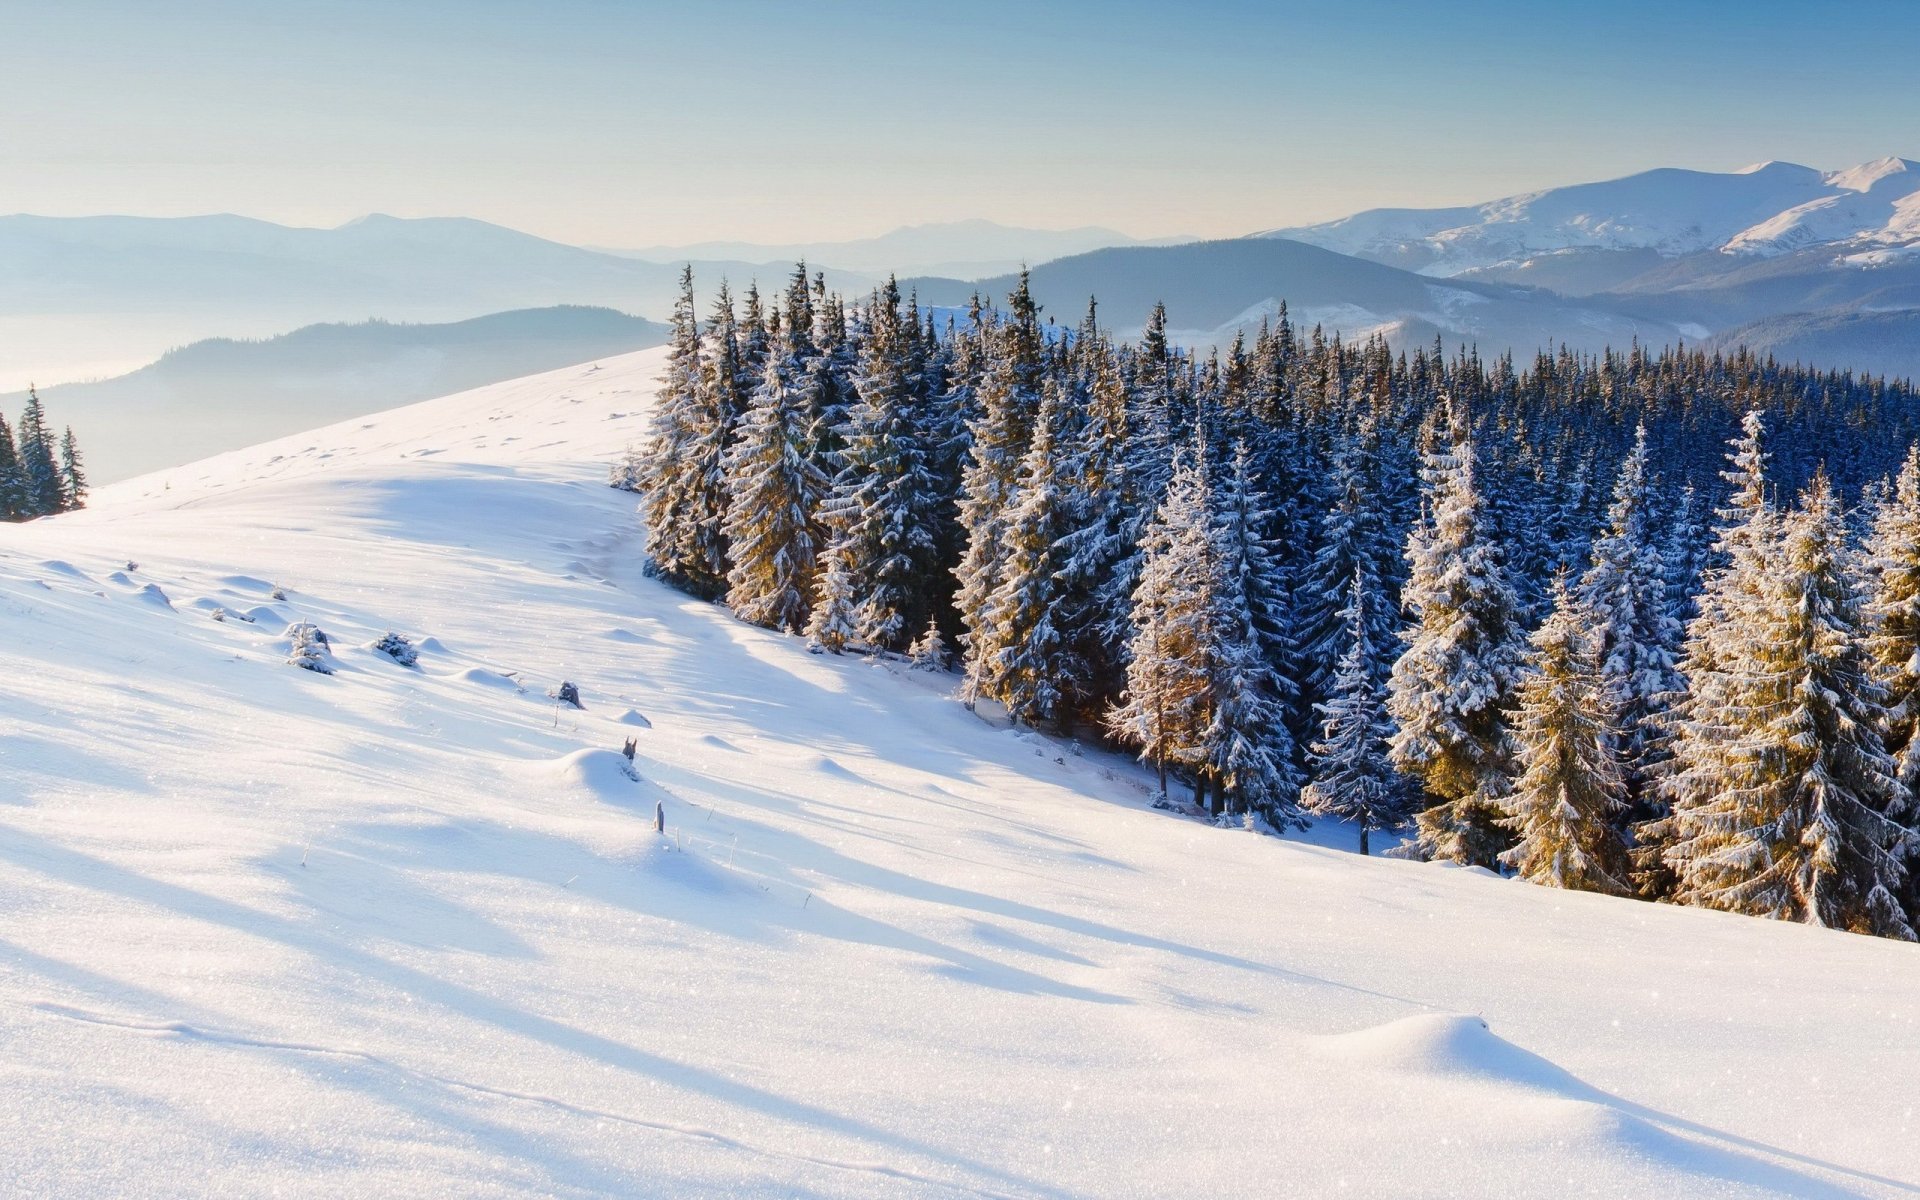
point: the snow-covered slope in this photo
(1767, 208)
(398, 932)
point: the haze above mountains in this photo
(1820, 267)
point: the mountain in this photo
(410, 932)
(223, 393)
(1770, 208)
(1213, 289)
(134, 286)
(963, 249)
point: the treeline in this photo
(1521, 607)
(39, 474)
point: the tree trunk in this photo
(1363, 839)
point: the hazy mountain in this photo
(223, 393)
(1212, 289)
(107, 290)
(1877, 343)
(961, 249)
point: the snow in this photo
(411, 933)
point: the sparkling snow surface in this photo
(399, 932)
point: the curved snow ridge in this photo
(187, 1031)
(1555, 1106)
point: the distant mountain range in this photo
(961, 249)
(83, 296)
(221, 393)
(1821, 267)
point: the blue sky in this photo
(627, 123)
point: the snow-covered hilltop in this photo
(1768, 208)
(409, 931)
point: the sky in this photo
(611, 123)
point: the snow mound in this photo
(1451, 1044)
(481, 677)
(634, 717)
(603, 773)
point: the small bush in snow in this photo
(566, 693)
(277, 594)
(308, 648)
(396, 647)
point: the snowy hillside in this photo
(409, 932)
(1767, 208)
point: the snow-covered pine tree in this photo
(887, 500)
(1099, 551)
(1453, 685)
(1571, 792)
(1624, 592)
(1007, 400)
(1026, 662)
(1705, 726)
(774, 494)
(1165, 708)
(1684, 554)
(37, 458)
(1807, 821)
(1352, 777)
(14, 493)
(929, 651)
(73, 476)
(1892, 614)
(832, 624)
(1355, 537)
(1250, 750)
(682, 464)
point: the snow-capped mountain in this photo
(1768, 208)
(409, 931)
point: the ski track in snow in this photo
(410, 932)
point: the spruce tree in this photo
(37, 461)
(1624, 593)
(1026, 661)
(14, 493)
(73, 478)
(1800, 816)
(1453, 685)
(887, 500)
(774, 493)
(1352, 777)
(831, 626)
(1165, 708)
(683, 464)
(1571, 792)
(1250, 749)
(1892, 614)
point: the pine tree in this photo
(887, 499)
(37, 462)
(929, 653)
(1250, 749)
(998, 437)
(683, 466)
(1801, 817)
(14, 493)
(1572, 787)
(1453, 685)
(831, 626)
(1892, 614)
(1353, 779)
(1025, 657)
(775, 491)
(73, 479)
(1624, 592)
(1164, 709)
